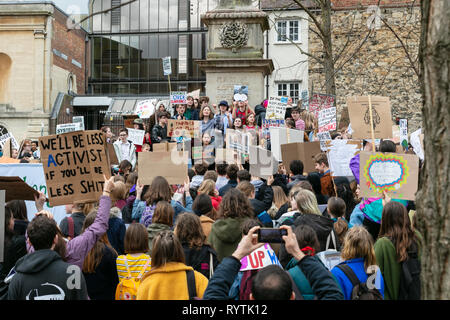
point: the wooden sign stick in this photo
(371, 125)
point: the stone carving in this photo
(233, 35)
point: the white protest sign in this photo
(279, 136)
(276, 108)
(327, 119)
(194, 94)
(33, 175)
(136, 136)
(80, 120)
(417, 145)
(5, 138)
(146, 108)
(167, 66)
(339, 153)
(323, 137)
(260, 258)
(178, 97)
(403, 124)
(240, 93)
(68, 127)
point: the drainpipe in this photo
(267, 57)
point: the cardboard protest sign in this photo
(259, 258)
(178, 97)
(323, 138)
(327, 119)
(7, 149)
(262, 162)
(2, 223)
(136, 136)
(113, 160)
(276, 108)
(167, 66)
(8, 160)
(227, 156)
(170, 165)
(128, 120)
(237, 140)
(240, 93)
(194, 94)
(68, 127)
(8, 137)
(403, 126)
(395, 173)
(339, 153)
(358, 108)
(304, 151)
(417, 143)
(187, 128)
(145, 108)
(395, 134)
(17, 189)
(80, 120)
(74, 165)
(164, 146)
(279, 136)
(319, 101)
(267, 123)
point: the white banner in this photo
(68, 127)
(136, 136)
(33, 175)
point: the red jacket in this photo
(216, 201)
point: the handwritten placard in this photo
(68, 127)
(268, 123)
(276, 108)
(167, 66)
(327, 119)
(417, 143)
(323, 138)
(339, 153)
(260, 258)
(403, 125)
(145, 108)
(178, 97)
(74, 164)
(136, 136)
(397, 174)
(183, 128)
(4, 138)
(320, 101)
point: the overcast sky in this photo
(71, 6)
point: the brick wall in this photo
(380, 66)
(72, 44)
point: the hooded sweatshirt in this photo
(43, 275)
(225, 236)
(169, 282)
(153, 229)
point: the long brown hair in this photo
(279, 197)
(235, 204)
(396, 226)
(358, 243)
(188, 229)
(164, 213)
(159, 191)
(166, 248)
(95, 255)
(336, 207)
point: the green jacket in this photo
(390, 268)
(153, 229)
(225, 236)
(300, 280)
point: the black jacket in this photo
(258, 206)
(159, 134)
(78, 220)
(260, 114)
(323, 226)
(230, 185)
(43, 275)
(294, 180)
(199, 258)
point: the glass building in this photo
(129, 42)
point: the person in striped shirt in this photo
(135, 258)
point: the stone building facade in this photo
(380, 47)
(38, 59)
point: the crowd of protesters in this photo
(183, 241)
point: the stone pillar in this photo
(235, 52)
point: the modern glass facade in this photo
(128, 44)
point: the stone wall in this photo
(377, 65)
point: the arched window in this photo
(5, 70)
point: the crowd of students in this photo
(184, 241)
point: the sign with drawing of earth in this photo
(395, 173)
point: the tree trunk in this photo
(328, 64)
(433, 205)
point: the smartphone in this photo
(271, 235)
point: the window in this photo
(289, 90)
(288, 30)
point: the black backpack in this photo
(360, 290)
(410, 276)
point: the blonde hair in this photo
(279, 197)
(358, 243)
(119, 192)
(307, 202)
(310, 121)
(207, 187)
